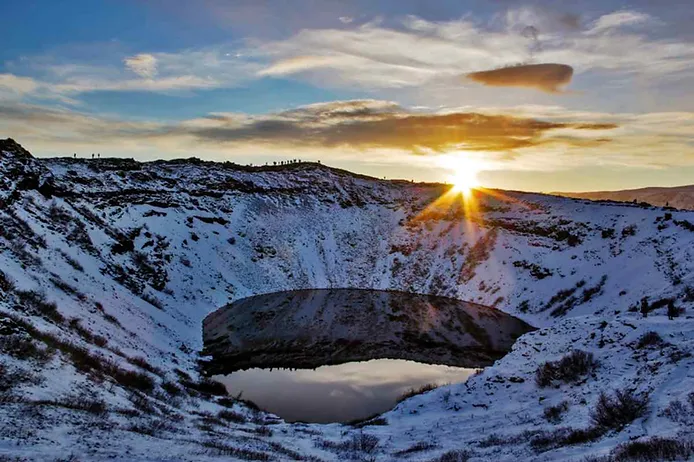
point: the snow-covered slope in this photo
(679, 197)
(110, 265)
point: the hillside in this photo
(109, 267)
(679, 197)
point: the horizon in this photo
(516, 95)
(352, 172)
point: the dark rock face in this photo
(10, 146)
(311, 328)
(20, 171)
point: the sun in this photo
(464, 177)
(464, 181)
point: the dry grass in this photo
(619, 410)
(417, 391)
(569, 369)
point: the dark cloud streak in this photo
(367, 128)
(548, 77)
(360, 125)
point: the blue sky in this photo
(534, 95)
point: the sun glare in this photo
(464, 176)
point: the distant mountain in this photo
(679, 197)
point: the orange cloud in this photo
(359, 125)
(372, 124)
(547, 77)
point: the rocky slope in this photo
(110, 265)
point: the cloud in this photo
(14, 87)
(355, 125)
(363, 125)
(619, 19)
(426, 57)
(344, 111)
(66, 126)
(297, 64)
(373, 56)
(144, 65)
(181, 72)
(267, 18)
(17, 88)
(545, 19)
(431, 54)
(362, 131)
(571, 21)
(546, 77)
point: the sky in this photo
(529, 95)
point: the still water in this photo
(335, 355)
(338, 393)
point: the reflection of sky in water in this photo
(337, 393)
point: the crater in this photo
(334, 355)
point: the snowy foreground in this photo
(109, 267)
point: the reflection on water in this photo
(346, 334)
(337, 393)
(305, 329)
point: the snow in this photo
(309, 226)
